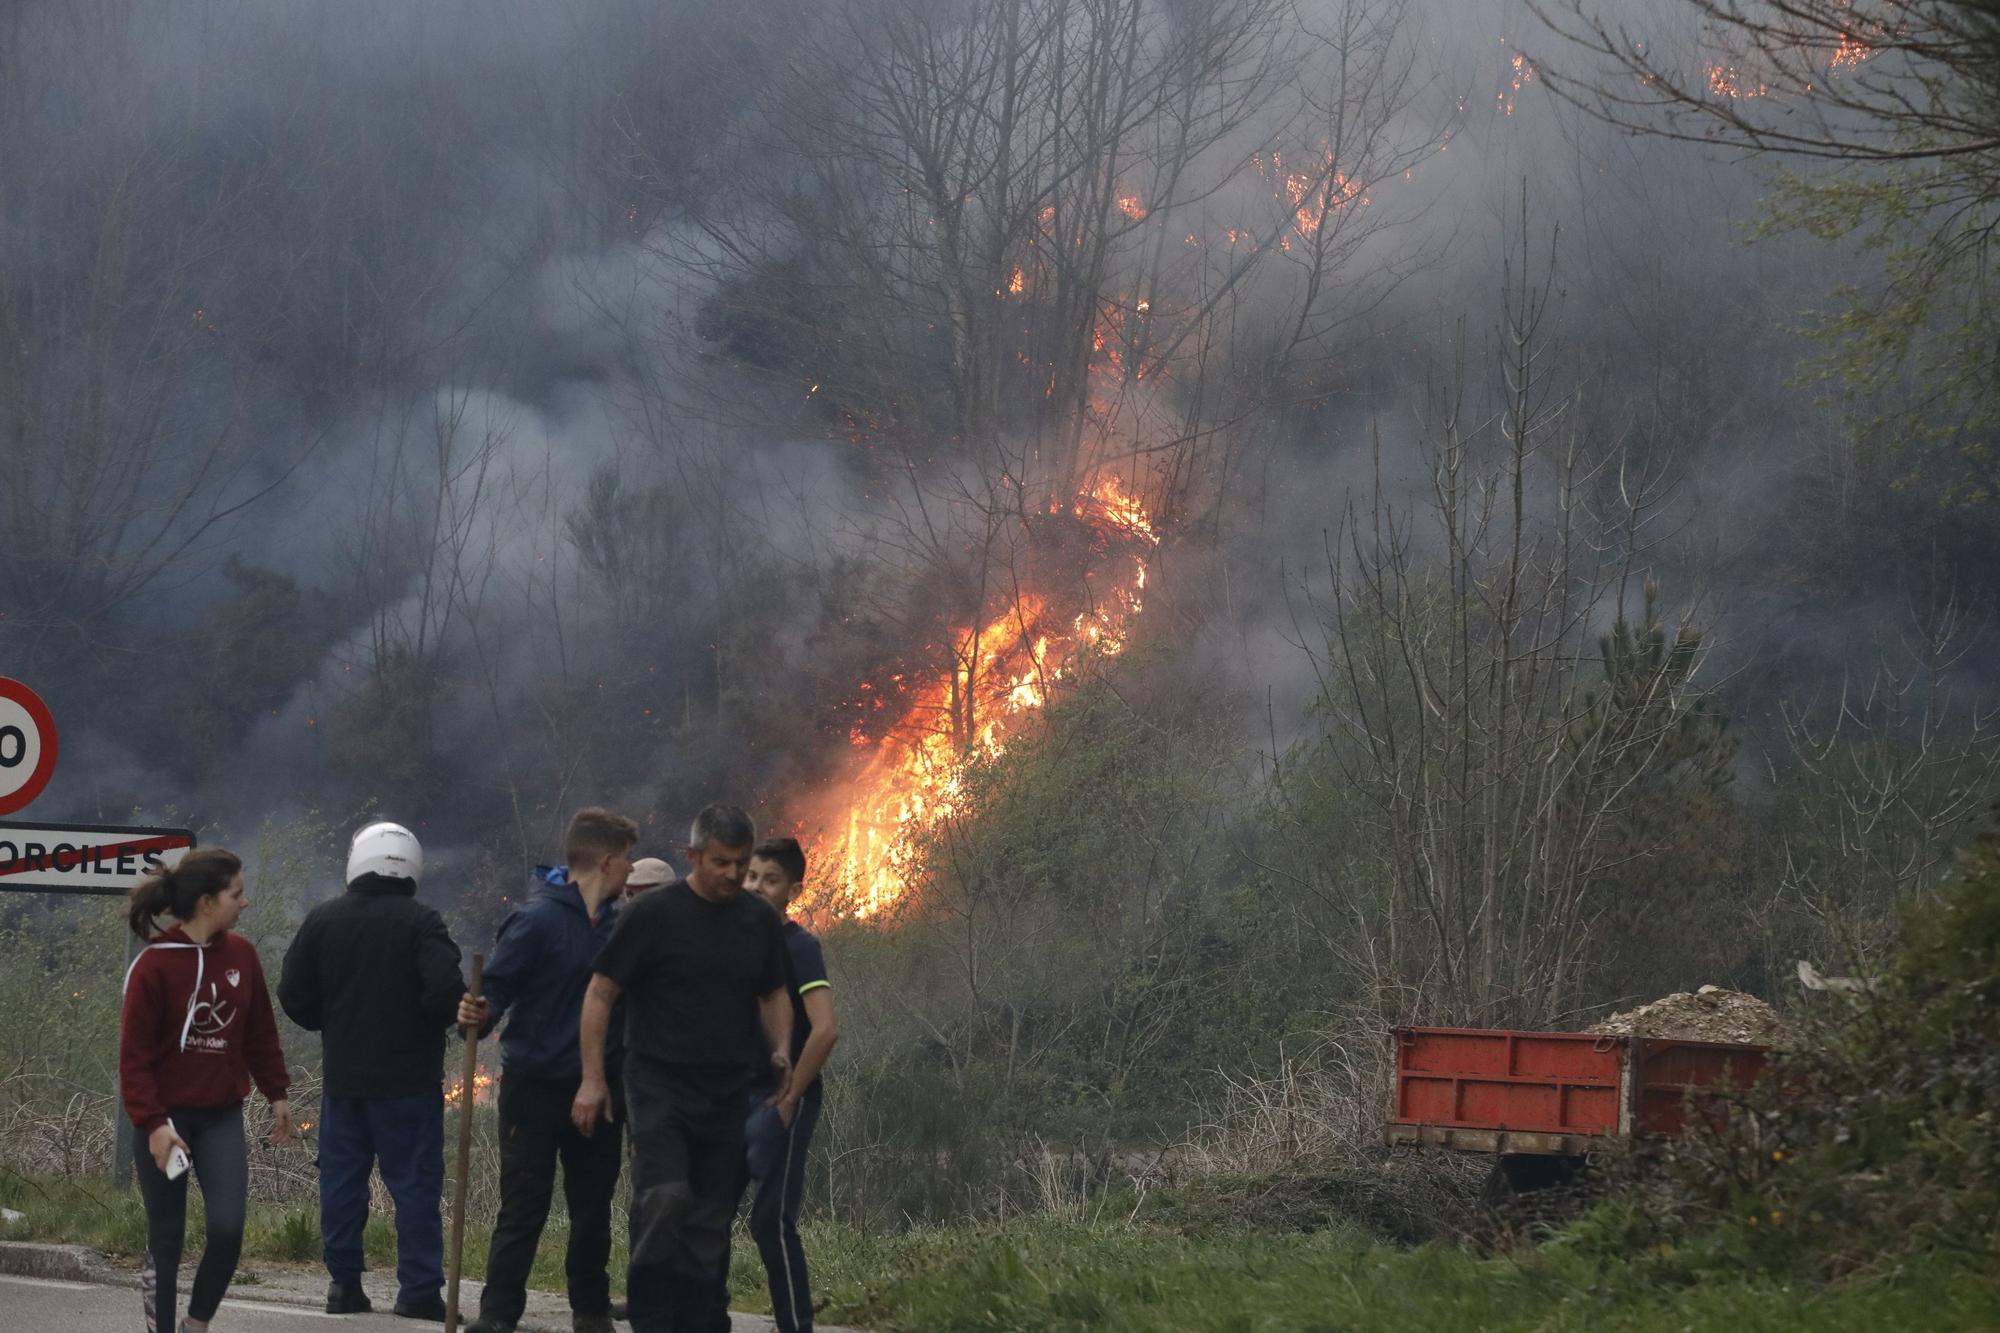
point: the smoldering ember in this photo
(1374, 619)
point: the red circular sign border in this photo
(45, 723)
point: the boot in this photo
(429, 1308)
(347, 1298)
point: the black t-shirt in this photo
(692, 972)
(805, 970)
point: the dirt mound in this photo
(1709, 1014)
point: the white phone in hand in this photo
(177, 1158)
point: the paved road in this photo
(81, 1307)
(43, 1305)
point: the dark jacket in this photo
(538, 973)
(375, 973)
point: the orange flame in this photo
(1524, 74)
(1850, 53)
(1312, 193)
(1003, 674)
(1724, 81)
(482, 1088)
(1129, 205)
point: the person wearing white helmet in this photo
(376, 974)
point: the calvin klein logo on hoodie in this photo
(212, 1018)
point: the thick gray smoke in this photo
(385, 426)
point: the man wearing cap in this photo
(648, 872)
(376, 974)
(536, 979)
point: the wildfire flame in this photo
(482, 1088)
(1312, 193)
(1524, 74)
(1724, 81)
(1851, 52)
(914, 771)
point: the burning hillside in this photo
(913, 741)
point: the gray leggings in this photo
(222, 1165)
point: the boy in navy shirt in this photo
(780, 1120)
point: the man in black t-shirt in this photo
(704, 964)
(779, 1122)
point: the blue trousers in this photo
(774, 1160)
(404, 1136)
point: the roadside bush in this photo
(1879, 1139)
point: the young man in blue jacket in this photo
(539, 971)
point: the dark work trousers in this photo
(404, 1137)
(687, 1142)
(774, 1160)
(535, 1133)
(221, 1164)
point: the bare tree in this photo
(1480, 765)
(127, 406)
(1882, 776)
(1853, 80)
(1896, 103)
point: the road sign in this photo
(84, 858)
(27, 745)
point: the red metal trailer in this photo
(1561, 1094)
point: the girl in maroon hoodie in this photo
(197, 1030)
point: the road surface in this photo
(45, 1305)
(49, 1306)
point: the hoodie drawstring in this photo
(194, 999)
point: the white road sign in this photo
(84, 858)
(27, 745)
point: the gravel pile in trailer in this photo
(1709, 1014)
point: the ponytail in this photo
(178, 891)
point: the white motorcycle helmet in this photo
(385, 849)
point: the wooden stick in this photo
(466, 1099)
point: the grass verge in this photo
(1113, 1275)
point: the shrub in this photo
(1880, 1139)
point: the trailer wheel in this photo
(1527, 1196)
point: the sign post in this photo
(101, 859)
(41, 857)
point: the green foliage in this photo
(243, 661)
(382, 731)
(1913, 357)
(1878, 1141)
(291, 1234)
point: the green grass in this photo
(1054, 1277)
(1110, 1276)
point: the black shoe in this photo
(429, 1308)
(485, 1325)
(622, 1311)
(347, 1298)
